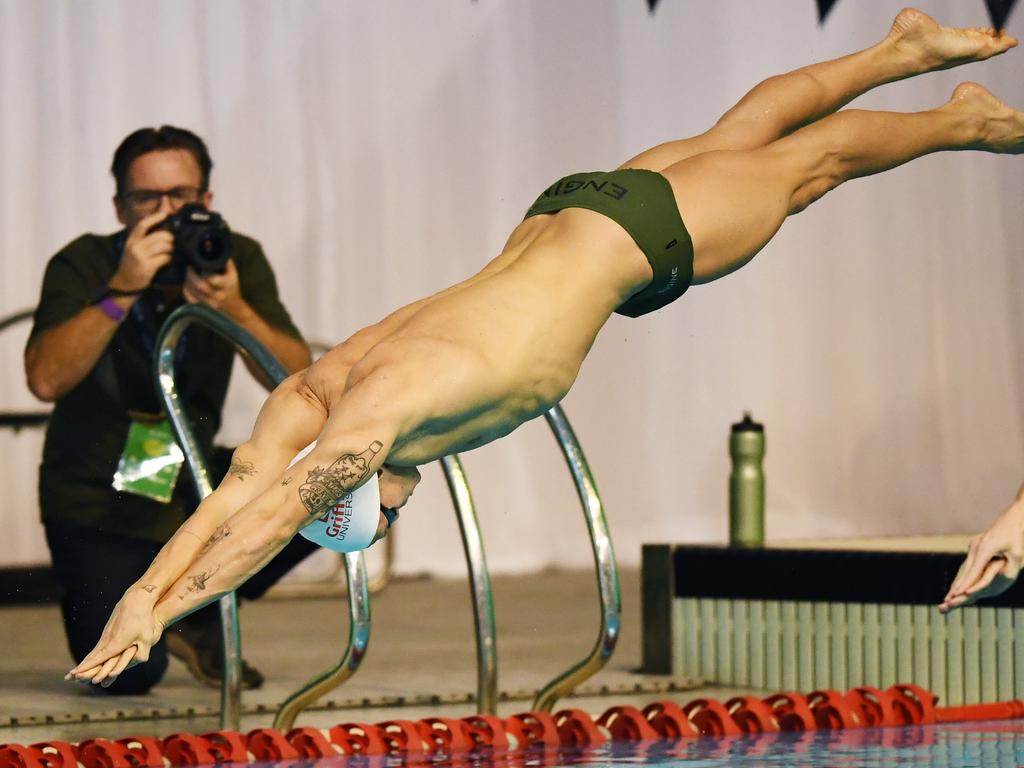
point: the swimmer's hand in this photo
(131, 632)
(993, 561)
(397, 485)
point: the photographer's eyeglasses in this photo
(146, 201)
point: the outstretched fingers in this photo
(106, 672)
(105, 664)
(127, 659)
(984, 574)
(968, 572)
(92, 663)
(105, 669)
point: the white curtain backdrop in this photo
(383, 149)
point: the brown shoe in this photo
(200, 648)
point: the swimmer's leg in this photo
(733, 202)
(782, 104)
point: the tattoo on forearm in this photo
(150, 588)
(197, 583)
(221, 533)
(325, 487)
(241, 469)
(286, 481)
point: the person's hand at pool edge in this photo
(994, 560)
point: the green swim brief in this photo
(642, 203)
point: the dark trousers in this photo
(96, 567)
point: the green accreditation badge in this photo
(150, 462)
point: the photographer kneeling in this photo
(104, 298)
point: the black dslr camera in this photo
(202, 241)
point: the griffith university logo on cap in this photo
(338, 518)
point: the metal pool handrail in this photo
(480, 585)
(254, 351)
(604, 561)
(15, 318)
(358, 640)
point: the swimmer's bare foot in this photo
(997, 127)
(927, 46)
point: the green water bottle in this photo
(746, 484)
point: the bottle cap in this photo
(747, 425)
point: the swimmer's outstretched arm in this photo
(247, 540)
(287, 423)
(994, 559)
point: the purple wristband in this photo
(111, 309)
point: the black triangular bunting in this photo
(824, 6)
(999, 11)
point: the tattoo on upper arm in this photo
(197, 583)
(241, 469)
(325, 487)
(150, 588)
(286, 481)
(221, 533)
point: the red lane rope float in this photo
(861, 707)
(487, 731)
(791, 712)
(832, 711)
(627, 724)
(913, 705)
(874, 706)
(752, 715)
(670, 721)
(447, 735)
(59, 754)
(577, 729)
(311, 743)
(711, 718)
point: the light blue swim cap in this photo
(351, 523)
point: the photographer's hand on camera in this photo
(145, 252)
(221, 291)
(218, 290)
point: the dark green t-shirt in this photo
(87, 430)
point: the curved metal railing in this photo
(255, 352)
(480, 586)
(358, 640)
(15, 317)
(604, 561)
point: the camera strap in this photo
(144, 320)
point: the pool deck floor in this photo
(421, 659)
